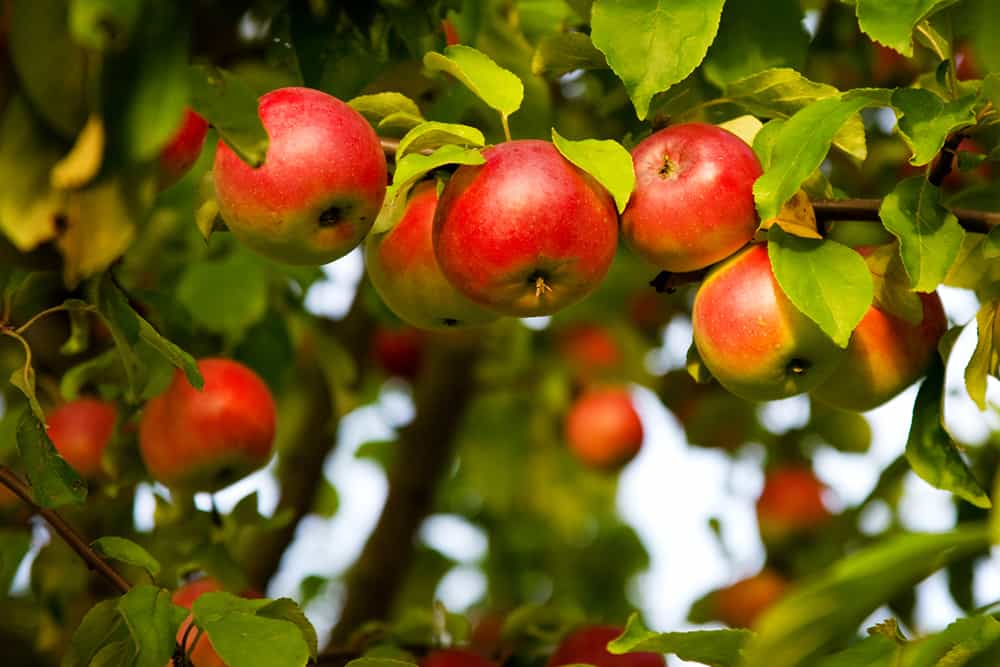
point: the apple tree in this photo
(577, 219)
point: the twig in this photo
(942, 167)
(65, 531)
(829, 210)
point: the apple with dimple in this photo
(80, 430)
(182, 149)
(603, 428)
(741, 604)
(526, 233)
(693, 202)
(751, 337)
(320, 187)
(791, 503)
(204, 440)
(406, 274)
(588, 645)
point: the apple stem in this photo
(541, 287)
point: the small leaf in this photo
(175, 355)
(893, 293)
(378, 106)
(24, 379)
(929, 235)
(53, 481)
(126, 551)
(244, 639)
(432, 134)
(81, 164)
(153, 621)
(400, 121)
(891, 22)
(123, 323)
(79, 327)
(606, 160)
(718, 648)
(102, 626)
(930, 450)
(566, 52)
(287, 610)
(796, 217)
(499, 88)
(227, 296)
(745, 127)
(231, 107)
(653, 44)
(985, 359)
(828, 282)
(926, 120)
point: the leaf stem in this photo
(48, 311)
(506, 126)
(27, 352)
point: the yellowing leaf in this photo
(83, 161)
(796, 217)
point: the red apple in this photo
(693, 201)
(320, 188)
(527, 233)
(183, 149)
(740, 604)
(406, 274)
(203, 655)
(751, 337)
(589, 349)
(450, 32)
(204, 440)
(455, 657)
(80, 430)
(399, 351)
(791, 503)
(603, 429)
(589, 646)
(966, 66)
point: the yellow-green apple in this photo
(693, 201)
(589, 645)
(527, 233)
(791, 503)
(406, 274)
(204, 440)
(740, 604)
(603, 428)
(455, 657)
(183, 149)
(80, 430)
(399, 351)
(320, 187)
(751, 337)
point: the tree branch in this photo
(65, 531)
(830, 210)
(422, 457)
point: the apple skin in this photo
(603, 428)
(80, 430)
(204, 440)
(203, 654)
(399, 352)
(589, 349)
(320, 187)
(405, 273)
(183, 149)
(791, 503)
(740, 604)
(455, 657)
(751, 337)
(693, 201)
(588, 645)
(527, 233)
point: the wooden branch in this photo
(830, 210)
(65, 531)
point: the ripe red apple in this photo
(693, 201)
(527, 233)
(183, 149)
(589, 349)
(791, 503)
(203, 655)
(204, 440)
(751, 337)
(588, 645)
(740, 604)
(320, 188)
(603, 429)
(455, 657)
(406, 274)
(400, 351)
(80, 430)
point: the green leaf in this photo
(875, 651)
(24, 379)
(14, 546)
(379, 106)
(153, 621)
(499, 88)
(79, 327)
(930, 450)
(826, 609)
(102, 626)
(230, 106)
(606, 160)
(432, 134)
(653, 44)
(754, 36)
(926, 120)
(566, 52)
(115, 654)
(123, 323)
(78, 376)
(53, 481)
(717, 648)
(929, 235)
(103, 24)
(991, 89)
(828, 282)
(126, 551)
(953, 646)
(227, 296)
(285, 609)
(893, 293)
(891, 22)
(985, 359)
(244, 639)
(802, 144)
(400, 121)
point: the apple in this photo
(527, 233)
(405, 273)
(399, 351)
(966, 64)
(791, 503)
(751, 337)
(588, 645)
(183, 149)
(80, 430)
(603, 429)
(320, 187)
(589, 349)
(203, 655)
(740, 604)
(455, 657)
(693, 201)
(204, 440)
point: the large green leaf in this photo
(499, 88)
(827, 281)
(242, 638)
(653, 44)
(606, 160)
(53, 481)
(985, 359)
(874, 651)
(102, 626)
(926, 120)
(230, 105)
(891, 22)
(565, 52)
(953, 646)
(717, 648)
(929, 235)
(153, 621)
